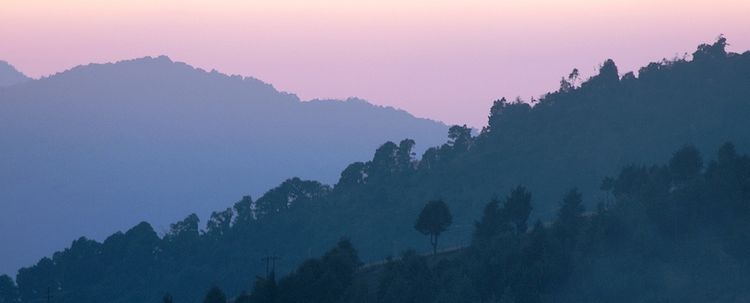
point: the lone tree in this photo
(433, 220)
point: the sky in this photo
(445, 60)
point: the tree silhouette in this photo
(407, 280)
(569, 220)
(219, 222)
(459, 137)
(573, 77)
(187, 229)
(405, 155)
(565, 85)
(8, 290)
(714, 51)
(293, 191)
(215, 295)
(492, 222)
(244, 210)
(517, 208)
(352, 175)
(321, 280)
(496, 112)
(685, 164)
(265, 290)
(433, 220)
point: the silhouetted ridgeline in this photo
(99, 147)
(10, 76)
(661, 219)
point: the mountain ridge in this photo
(126, 126)
(165, 60)
(575, 136)
(9, 75)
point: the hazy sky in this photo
(440, 59)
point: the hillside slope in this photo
(10, 76)
(670, 232)
(101, 147)
(573, 137)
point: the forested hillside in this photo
(100, 147)
(676, 232)
(574, 137)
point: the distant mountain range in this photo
(573, 137)
(10, 76)
(100, 147)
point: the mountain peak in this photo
(161, 59)
(9, 75)
(160, 63)
(160, 72)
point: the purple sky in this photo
(438, 59)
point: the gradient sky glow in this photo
(445, 60)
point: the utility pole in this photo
(49, 295)
(270, 263)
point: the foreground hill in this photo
(675, 232)
(572, 137)
(101, 147)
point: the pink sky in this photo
(445, 60)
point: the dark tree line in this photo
(673, 232)
(572, 137)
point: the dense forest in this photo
(669, 233)
(657, 233)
